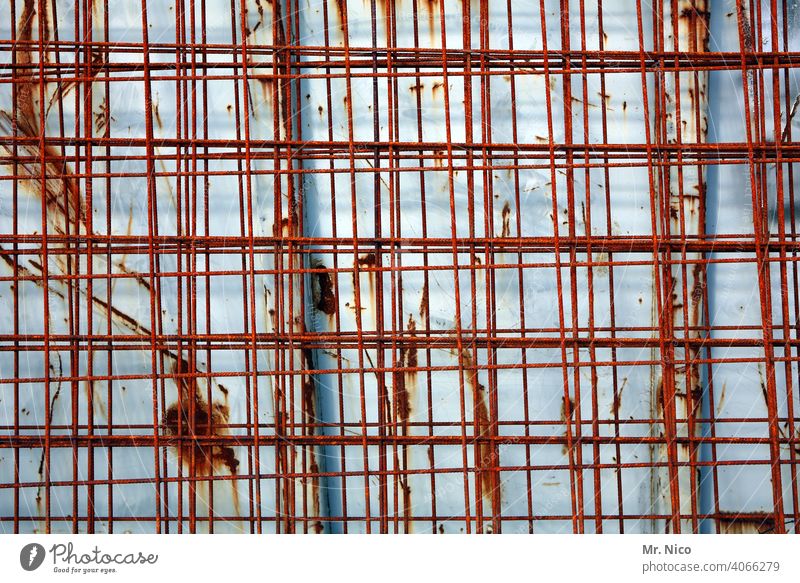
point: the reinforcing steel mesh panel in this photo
(399, 266)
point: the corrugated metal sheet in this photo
(398, 266)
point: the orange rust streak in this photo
(325, 300)
(25, 99)
(27, 124)
(370, 261)
(433, 11)
(423, 302)
(407, 381)
(266, 88)
(341, 10)
(206, 420)
(405, 395)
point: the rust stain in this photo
(341, 11)
(122, 318)
(192, 417)
(312, 481)
(384, 8)
(423, 301)
(602, 259)
(696, 295)
(53, 399)
(60, 193)
(323, 291)
(788, 125)
(368, 260)
(506, 229)
(695, 18)
(721, 400)
(486, 453)
(567, 411)
(28, 274)
(736, 524)
(578, 100)
(290, 227)
(660, 396)
(260, 9)
(65, 205)
(618, 397)
(416, 87)
(140, 279)
(98, 406)
(157, 115)
(314, 485)
(286, 228)
(480, 272)
(407, 381)
(267, 85)
(25, 99)
(674, 214)
(99, 61)
(309, 419)
(432, 7)
(309, 409)
(102, 117)
(406, 386)
(437, 87)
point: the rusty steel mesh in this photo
(399, 266)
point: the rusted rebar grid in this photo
(399, 266)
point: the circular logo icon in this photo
(31, 556)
